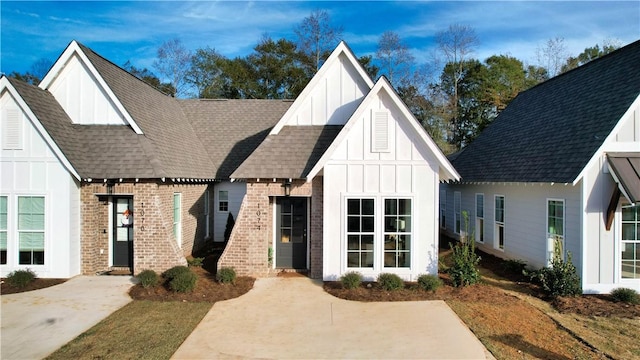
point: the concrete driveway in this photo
(294, 318)
(36, 323)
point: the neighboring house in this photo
(347, 180)
(560, 166)
(101, 171)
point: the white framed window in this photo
(4, 214)
(177, 217)
(397, 233)
(31, 225)
(207, 218)
(443, 208)
(456, 211)
(630, 256)
(223, 201)
(360, 233)
(480, 218)
(555, 228)
(499, 222)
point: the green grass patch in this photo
(139, 330)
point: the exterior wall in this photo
(236, 191)
(35, 170)
(155, 246)
(82, 97)
(248, 248)
(525, 218)
(406, 170)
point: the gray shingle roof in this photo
(231, 130)
(549, 132)
(291, 153)
(178, 149)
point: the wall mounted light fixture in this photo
(287, 187)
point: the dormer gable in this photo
(333, 93)
(83, 93)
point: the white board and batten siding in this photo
(29, 167)
(357, 169)
(235, 192)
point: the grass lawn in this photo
(140, 330)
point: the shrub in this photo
(626, 295)
(464, 269)
(351, 280)
(196, 261)
(175, 271)
(148, 278)
(226, 275)
(183, 282)
(429, 282)
(514, 266)
(390, 281)
(560, 278)
(21, 278)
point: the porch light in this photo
(287, 187)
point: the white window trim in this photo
(7, 230)
(479, 235)
(410, 233)
(207, 216)
(457, 212)
(497, 224)
(443, 209)
(618, 250)
(550, 242)
(376, 230)
(219, 201)
(16, 232)
(177, 224)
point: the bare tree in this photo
(395, 58)
(316, 36)
(552, 55)
(174, 61)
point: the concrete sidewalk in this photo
(294, 318)
(36, 323)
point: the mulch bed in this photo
(36, 284)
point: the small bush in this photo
(429, 282)
(561, 278)
(183, 282)
(626, 295)
(464, 270)
(195, 262)
(175, 271)
(226, 275)
(21, 278)
(514, 266)
(351, 280)
(148, 278)
(390, 281)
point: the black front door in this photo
(122, 219)
(291, 232)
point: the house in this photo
(559, 167)
(101, 171)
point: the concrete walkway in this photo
(36, 323)
(294, 318)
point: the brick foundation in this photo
(154, 245)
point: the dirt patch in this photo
(207, 289)
(6, 288)
(596, 305)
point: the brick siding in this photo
(154, 245)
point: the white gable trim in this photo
(342, 48)
(59, 65)
(6, 85)
(596, 157)
(383, 84)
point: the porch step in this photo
(119, 270)
(292, 272)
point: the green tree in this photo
(36, 72)
(590, 53)
(150, 78)
(206, 74)
(368, 65)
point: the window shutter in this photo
(380, 132)
(11, 130)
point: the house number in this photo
(258, 213)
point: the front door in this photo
(122, 219)
(291, 232)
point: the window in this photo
(31, 230)
(456, 211)
(360, 232)
(555, 228)
(397, 233)
(443, 208)
(630, 242)
(499, 218)
(206, 214)
(177, 217)
(480, 218)
(223, 200)
(3, 230)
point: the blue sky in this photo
(123, 30)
